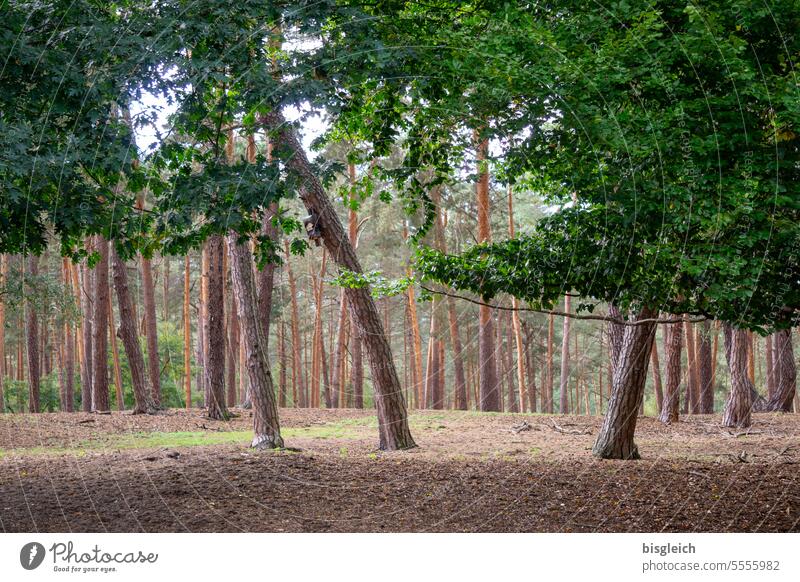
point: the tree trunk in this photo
(3, 280)
(153, 364)
(693, 376)
(390, 404)
(266, 427)
(657, 377)
(416, 346)
(523, 392)
(487, 363)
(705, 369)
(673, 341)
(460, 396)
(233, 351)
(357, 371)
(301, 385)
(215, 330)
(615, 335)
(115, 357)
(187, 337)
(785, 372)
(32, 337)
(550, 340)
(337, 388)
(142, 394)
(564, 377)
(770, 366)
(100, 395)
(737, 413)
(615, 440)
(282, 364)
(87, 307)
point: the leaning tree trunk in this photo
(266, 428)
(615, 440)
(739, 405)
(32, 336)
(785, 373)
(705, 368)
(673, 341)
(142, 394)
(215, 330)
(391, 407)
(100, 397)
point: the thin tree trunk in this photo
(153, 364)
(115, 357)
(3, 281)
(392, 416)
(693, 376)
(337, 385)
(738, 407)
(215, 330)
(523, 393)
(357, 371)
(32, 337)
(266, 426)
(187, 337)
(564, 377)
(233, 348)
(282, 365)
(615, 440)
(550, 341)
(301, 385)
(142, 393)
(657, 378)
(673, 341)
(100, 394)
(416, 346)
(87, 301)
(489, 389)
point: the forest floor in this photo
(179, 471)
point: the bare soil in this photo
(473, 472)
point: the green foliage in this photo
(379, 285)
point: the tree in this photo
(673, 341)
(32, 338)
(142, 392)
(215, 330)
(739, 404)
(785, 373)
(100, 396)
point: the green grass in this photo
(153, 440)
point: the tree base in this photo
(617, 450)
(262, 442)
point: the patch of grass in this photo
(154, 440)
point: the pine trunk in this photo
(785, 372)
(266, 427)
(738, 408)
(187, 337)
(215, 330)
(657, 378)
(616, 437)
(673, 341)
(100, 395)
(564, 377)
(390, 404)
(32, 338)
(142, 394)
(153, 364)
(693, 376)
(705, 369)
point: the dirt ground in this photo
(473, 472)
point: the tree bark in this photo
(32, 338)
(487, 363)
(142, 394)
(657, 377)
(460, 396)
(693, 376)
(215, 330)
(564, 377)
(739, 405)
(149, 293)
(100, 396)
(705, 369)
(187, 337)
(550, 340)
(115, 358)
(673, 341)
(616, 437)
(392, 417)
(266, 426)
(87, 307)
(785, 372)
